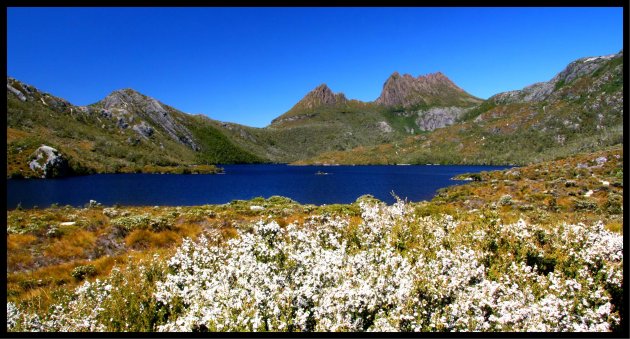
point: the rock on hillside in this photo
(47, 162)
(438, 117)
(27, 93)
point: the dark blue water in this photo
(343, 184)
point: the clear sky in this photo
(249, 65)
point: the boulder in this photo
(48, 162)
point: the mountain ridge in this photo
(399, 93)
(406, 91)
(130, 130)
(579, 109)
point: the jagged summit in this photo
(122, 97)
(399, 91)
(322, 95)
(431, 89)
(147, 114)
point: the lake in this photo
(341, 184)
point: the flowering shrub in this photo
(393, 271)
(127, 224)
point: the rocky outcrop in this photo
(152, 113)
(384, 127)
(143, 129)
(545, 90)
(438, 117)
(240, 131)
(292, 118)
(23, 91)
(48, 162)
(321, 96)
(432, 89)
(15, 91)
(26, 92)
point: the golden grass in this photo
(189, 230)
(615, 226)
(145, 239)
(14, 135)
(19, 260)
(71, 246)
(86, 145)
(228, 232)
(19, 241)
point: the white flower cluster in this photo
(591, 243)
(318, 278)
(21, 321)
(393, 271)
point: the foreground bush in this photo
(394, 271)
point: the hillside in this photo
(125, 132)
(580, 109)
(424, 119)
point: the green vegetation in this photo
(215, 146)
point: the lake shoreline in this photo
(308, 185)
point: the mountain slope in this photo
(125, 132)
(580, 109)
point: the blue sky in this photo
(249, 65)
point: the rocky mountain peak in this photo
(321, 96)
(406, 90)
(121, 98)
(150, 112)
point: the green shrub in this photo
(584, 204)
(506, 200)
(83, 271)
(614, 204)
